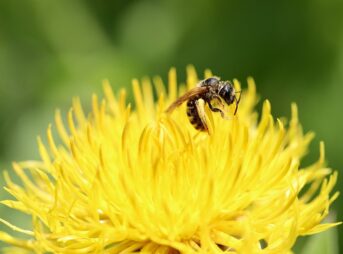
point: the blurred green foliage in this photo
(53, 50)
(324, 243)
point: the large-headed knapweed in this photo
(143, 181)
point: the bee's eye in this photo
(211, 81)
(226, 94)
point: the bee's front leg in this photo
(213, 109)
(218, 99)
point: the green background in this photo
(53, 50)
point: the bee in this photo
(208, 90)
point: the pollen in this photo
(133, 179)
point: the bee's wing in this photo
(187, 96)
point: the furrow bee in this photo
(208, 90)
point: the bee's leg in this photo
(219, 100)
(213, 109)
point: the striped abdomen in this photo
(194, 115)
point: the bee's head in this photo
(227, 92)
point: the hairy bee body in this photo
(194, 114)
(208, 90)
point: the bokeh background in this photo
(51, 51)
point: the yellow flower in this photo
(129, 181)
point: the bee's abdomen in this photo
(193, 115)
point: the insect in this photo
(208, 90)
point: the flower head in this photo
(129, 181)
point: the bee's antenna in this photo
(237, 101)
